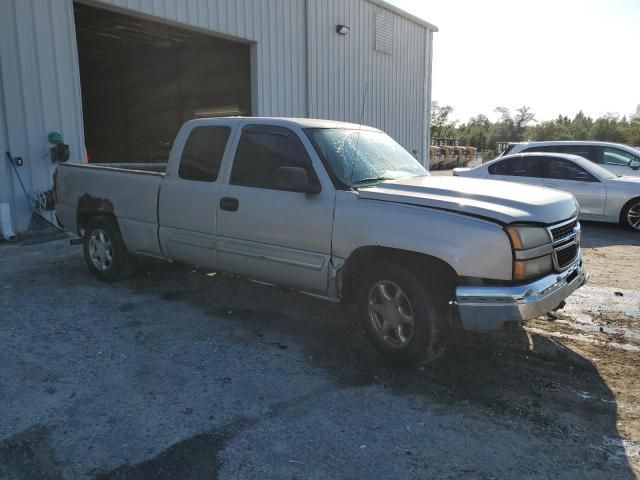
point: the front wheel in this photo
(105, 252)
(630, 216)
(403, 316)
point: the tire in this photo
(630, 216)
(420, 342)
(105, 252)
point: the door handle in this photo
(229, 204)
(553, 185)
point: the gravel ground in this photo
(182, 373)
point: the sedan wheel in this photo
(630, 217)
(633, 216)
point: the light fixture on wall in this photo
(342, 29)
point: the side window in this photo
(261, 151)
(614, 156)
(203, 152)
(536, 166)
(503, 167)
(586, 151)
(589, 152)
(515, 167)
(567, 170)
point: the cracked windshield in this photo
(364, 157)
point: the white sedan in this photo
(602, 196)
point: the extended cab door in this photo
(277, 236)
(190, 191)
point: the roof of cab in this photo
(285, 121)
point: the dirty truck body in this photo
(303, 204)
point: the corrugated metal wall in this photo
(341, 68)
(40, 86)
(40, 93)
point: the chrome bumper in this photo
(486, 308)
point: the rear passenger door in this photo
(189, 195)
(589, 191)
(268, 234)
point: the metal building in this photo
(116, 78)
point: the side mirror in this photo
(635, 164)
(295, 179)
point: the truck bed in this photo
(128, 191)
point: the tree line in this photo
(522, 125)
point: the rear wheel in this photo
(630, 216)
(105, 252)
(402, 314)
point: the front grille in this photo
(563, 231)
(567, 255)
(566, 243)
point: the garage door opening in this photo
(141, 80)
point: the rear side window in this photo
(203, 152)
(261, 151)
(519, 167)
(512, 167)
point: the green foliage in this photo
(522, 125)
(441, 126)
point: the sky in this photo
(555, 56)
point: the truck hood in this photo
(504, 202)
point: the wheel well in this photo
(626, 205)
(364, 257)
(89, 207)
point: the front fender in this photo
(473, 247)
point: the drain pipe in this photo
(6, 231)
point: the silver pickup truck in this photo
(339, 211)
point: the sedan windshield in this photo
(360, 158)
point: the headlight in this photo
(532, 251)
(525, 237)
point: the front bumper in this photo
(486, 308)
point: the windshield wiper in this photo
(370, 180)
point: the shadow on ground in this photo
(512, 374)
(598, 234)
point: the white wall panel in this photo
(40, 93)
(342, 68)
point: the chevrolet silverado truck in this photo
(339, 211)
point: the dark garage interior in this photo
(141, 80)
